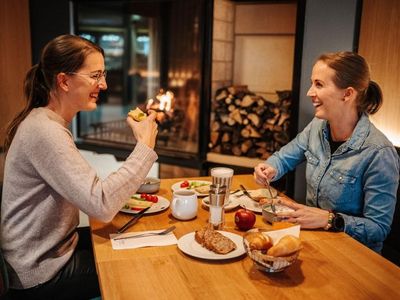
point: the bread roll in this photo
(137, 114)
(259, 241)
(286, 246)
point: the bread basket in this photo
(267, 263)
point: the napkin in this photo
(276, 235)
(145, 241)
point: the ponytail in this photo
(373, 99)
(37, 95)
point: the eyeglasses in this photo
(97, 75)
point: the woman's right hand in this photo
(264, 173)
(145, 131)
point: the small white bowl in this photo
(151, 185)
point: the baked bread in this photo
(214, 241)
(286, 246)
(137, 114)
(259, 241)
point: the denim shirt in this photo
(359, 180)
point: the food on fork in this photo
(259, 241)
(137, 114)
(287, 245)
(214, 241)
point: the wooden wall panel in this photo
(15, 58)
(272, 18)
(380, 45)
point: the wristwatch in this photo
(337, 223)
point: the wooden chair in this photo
(391, 246)
(3, 276)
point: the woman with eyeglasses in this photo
(47, 181)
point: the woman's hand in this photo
(264, 173)
(145, 131)
(305, 216)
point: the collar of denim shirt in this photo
(358, 136)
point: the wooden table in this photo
(330, 265)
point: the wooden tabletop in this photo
(330, 265)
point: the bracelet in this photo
(331, 215)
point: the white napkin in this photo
(276, 235)
(145, 241)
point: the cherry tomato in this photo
(154, 199)
(143, 196)
(185, 184)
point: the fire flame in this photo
(164, 101)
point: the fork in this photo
(272, 196)
(164, 232)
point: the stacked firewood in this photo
(246, 124)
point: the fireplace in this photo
(157, 57)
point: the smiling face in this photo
(84, 89)
(326, 97)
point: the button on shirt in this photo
(359, 180)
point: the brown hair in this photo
(65, 53)
(352, 70)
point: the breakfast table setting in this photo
(159, 247)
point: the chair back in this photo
(3, 276)
(391, 246)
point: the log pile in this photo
(245, 124)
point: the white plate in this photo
(233, 202)
(161, 205)
(177, 186)
(249, 204)
(188, 245)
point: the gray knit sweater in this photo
(46, 182)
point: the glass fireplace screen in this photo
(153, 60)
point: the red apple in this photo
(245, 219)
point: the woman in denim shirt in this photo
(352, 169)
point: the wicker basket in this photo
(267, 263)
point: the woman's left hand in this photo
(305, 216)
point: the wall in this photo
(264, 47)
(48, 19)
(222, 49)
(323, 32)
(380, 45)
(15, 58)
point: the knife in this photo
(133, 220)
(247, 193)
